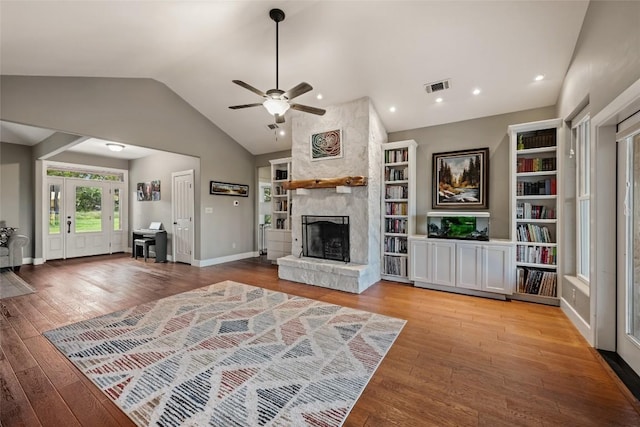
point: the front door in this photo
(628, 282)
(182, 206)
(85, 217)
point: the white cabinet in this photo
(278, 243)
(398, 207)
(461, 266)
(484, 267)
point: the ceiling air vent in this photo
(273, 126)
(438, 86)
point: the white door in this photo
(182, 207)
(469, 266)
(86, 225)
(443, 263)
(419, 269)
(497, 271)
(117, 217)
(628, 270)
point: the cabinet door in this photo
(497, 269)
(443, 263)
(469, 266)
(419, 261)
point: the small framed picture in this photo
(228, 189)
(326, 145)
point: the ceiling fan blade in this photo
(298, 90)
(279, 118)
(307, 109)
(236, 107)
(251, 88)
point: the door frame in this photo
(43, 209)
(603, 266)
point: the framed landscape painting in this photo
(460, 179)
(228, 189)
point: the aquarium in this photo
(461, 226)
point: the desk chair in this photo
(145, 242)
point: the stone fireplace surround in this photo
(362, 134)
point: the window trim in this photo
(581, 139)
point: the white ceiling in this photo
(386, 50)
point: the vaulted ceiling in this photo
(387, 50)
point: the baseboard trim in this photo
(222, 260)
(580, 324)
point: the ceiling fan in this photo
(276, 101)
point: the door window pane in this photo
(54, 208)
(584, 239)
(88, 209)
(117, 225)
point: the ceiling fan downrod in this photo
(278, 16)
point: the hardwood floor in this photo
(460, 360)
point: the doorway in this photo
(628, 259)
(264, 207)
(85, 212)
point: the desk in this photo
(160, 246)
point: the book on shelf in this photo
(533, 233)
(543, 187)
(395, 266)
(396, 174)
(396, 208)
(547, 164)
(525, 210)
(396, 156)
(543, 138)
(395, 244)
(536, 254)
(536, 282)
(396, 192)
(396, 225)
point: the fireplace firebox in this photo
(325, 237)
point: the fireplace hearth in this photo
(325, 237)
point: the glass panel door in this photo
(88, 212)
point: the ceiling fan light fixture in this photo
(115, 147)
(276, 106)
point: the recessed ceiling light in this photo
(438, 99)
(539, 77)
(319, 96)
(282, 132)
(392, 109)
(476, 91)
(115, 147)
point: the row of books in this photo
(396, 245)
(396, 156)
(396, 192)
(536, 254)
(395, 225)
(525, 210)
(281, 223)
(537, 139)
(395, 174)
(280, 205)
(536, 165)
(396, 208)
(537, 282)
(543, 187)
(533, 233)
(395, 265)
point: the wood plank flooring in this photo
(460, 360)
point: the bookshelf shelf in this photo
(398, 208)
(536, 170)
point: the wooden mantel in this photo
(347, 181)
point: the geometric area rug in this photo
(231, 354)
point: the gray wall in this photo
(146, 113)
(478, 133)
(88, 159)
(17, 190)
(148, 169)
(605, 62)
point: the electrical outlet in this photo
(573, 296)
(233, 245)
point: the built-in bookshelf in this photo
(536, 211)
(279, 235)
(398, 207)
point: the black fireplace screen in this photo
(325, 237)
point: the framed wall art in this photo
(228, 189)
(460, 179)
(326, 145)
